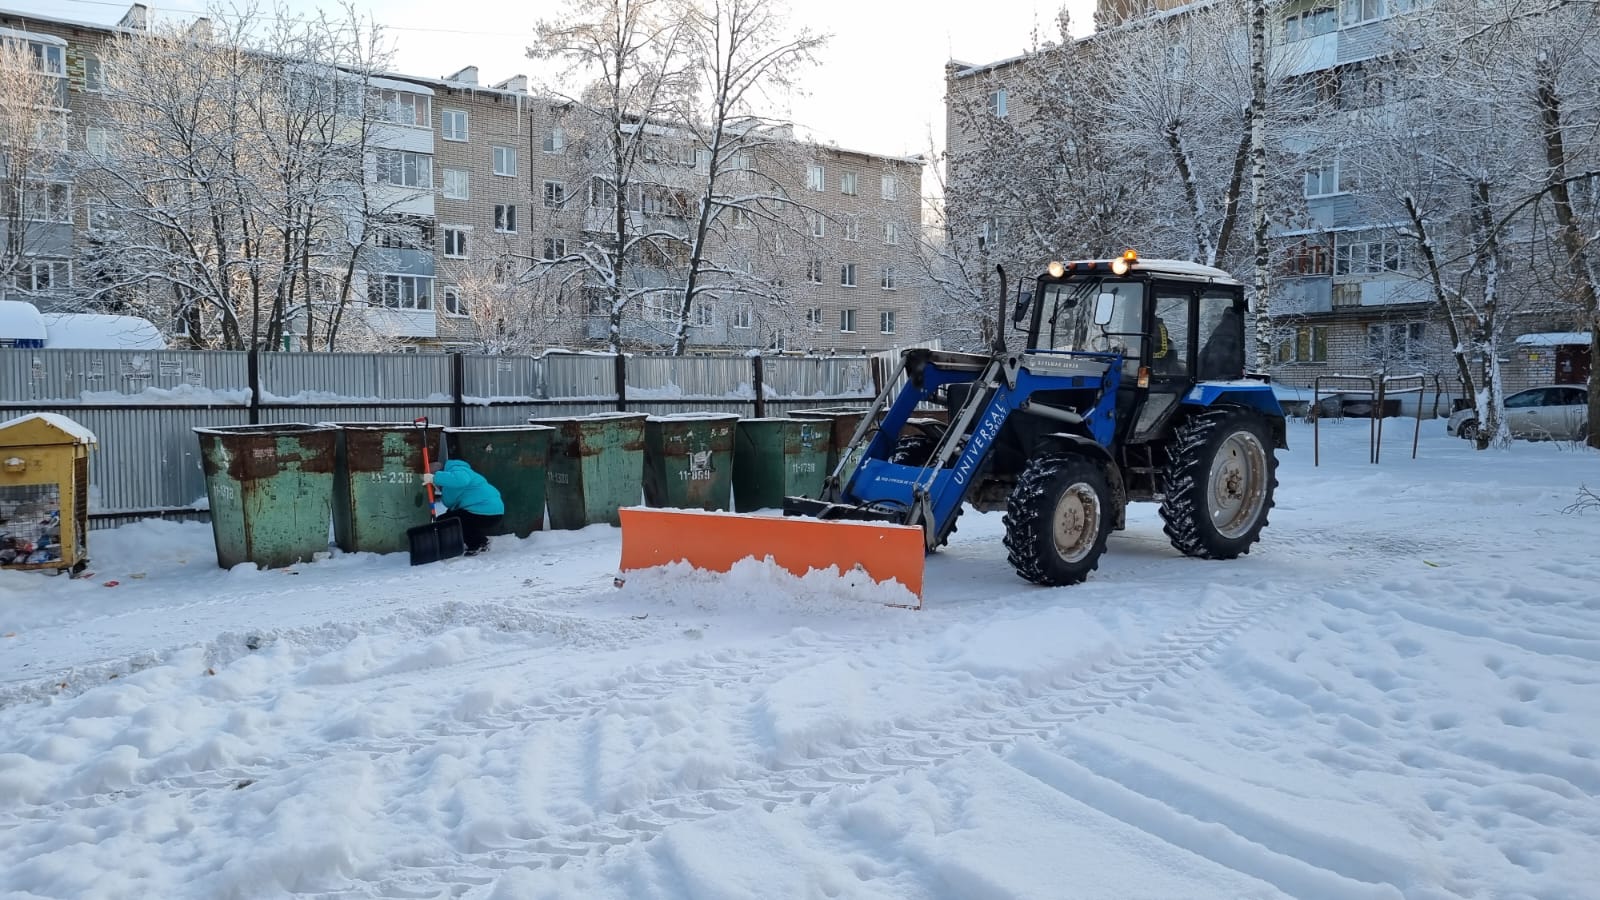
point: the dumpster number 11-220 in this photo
(394, 477)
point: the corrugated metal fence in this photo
(144, 405)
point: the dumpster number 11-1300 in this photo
(394, 477)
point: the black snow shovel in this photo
(436, 540)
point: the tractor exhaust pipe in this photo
(1000, 317)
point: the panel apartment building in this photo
(1346, 293)
(486, 195)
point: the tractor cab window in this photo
(1169, 334)
(1070, 316)
(1221, 336)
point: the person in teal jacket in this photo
(469, 497)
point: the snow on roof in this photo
(79, 433)
(395, 84)
(88, 331)
(1553, 338)
(20, 322)
(32, 36)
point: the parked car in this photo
(1554, 412)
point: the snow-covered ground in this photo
(1396, 695)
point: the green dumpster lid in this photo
(693, 417)
(467, 429)
(268, 428)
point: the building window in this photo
(47, 202)
(1306, 259)
(555, 248)
(505, 161)
(1323, 181)
(98, 215)
(44, 275)
(814, 178)
(400, 291)
(505, 218)
(405, 169)
(886, 321)
(404, 233)
(405, 108)
(555, 140)
(1309, 345)
(847, 183)
(814, 317)
(891, 233)
(852, 227)
(847, 275)
(703, 314)
(997, 103)
(741, 217)
(1309, 24)
(455, 184)
(555, 194)
(890, 187)
(453, 304)
(814, 271)
(847, 321)
(1395, 342)
(888, 278)
(819, 225)
(1358, 12)
(455, 242)
(454, 125)
(94, 74)
(742, 315)
(97, 142)
(1373, 255)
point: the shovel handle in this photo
(427, 466)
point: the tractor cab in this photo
(1173, 324)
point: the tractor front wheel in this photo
(1218, 484)
(1057, 519)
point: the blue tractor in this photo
(1132, 387)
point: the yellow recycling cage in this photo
(44, 493)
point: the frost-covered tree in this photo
(34, 187)
(634, 59)
(513, 304)
(745, 55)
(235, 177)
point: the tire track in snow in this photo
(997, 727)
(727, 668)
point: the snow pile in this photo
(21, 321)
(93, 331)
(72, 429)
(763, 586)
(177, 395)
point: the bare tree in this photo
(744, 52)
(235, 176)
(35, 196)
(634, 59)
(513, 304)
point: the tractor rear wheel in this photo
(1218, 485)
(1057, 519)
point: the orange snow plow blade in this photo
(715, 541)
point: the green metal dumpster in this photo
(513, 459)
(270, 489)
(596, 467)
(777, 458)
(688, 460)
(377, 484)
(842, 422)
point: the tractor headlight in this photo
(1056, 269)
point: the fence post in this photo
(254, 369)
(458, 374)
(757, 372)
(622, 381)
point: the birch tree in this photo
(634, 59)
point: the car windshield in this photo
(1069, 316)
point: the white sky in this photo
(879, 85)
